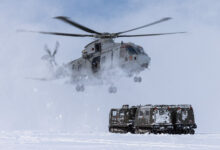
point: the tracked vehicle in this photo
(171, 119)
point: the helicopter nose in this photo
(144, 60)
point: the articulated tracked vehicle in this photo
(171, 119)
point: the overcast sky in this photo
(184, 68)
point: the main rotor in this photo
(104, 35)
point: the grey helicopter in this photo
(102, 60)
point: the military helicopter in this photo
(102, 60)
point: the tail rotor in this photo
(56, 49)
(50, 57)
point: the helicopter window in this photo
(139, 49)
(131, 50)
(79, 67)
(98, 47)
(73, 66)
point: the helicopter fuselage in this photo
(104, 55)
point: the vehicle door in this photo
(144, 116)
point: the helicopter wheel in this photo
(112, 89)
(137, 79)
(80, 88)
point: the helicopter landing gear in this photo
(137, 79)
(80, 88)
(112, 89)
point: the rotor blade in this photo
(39, 79)
(155, 34)
(150, 24)
(47, 50)
(56, 48)
(58, 33)
(75, 24)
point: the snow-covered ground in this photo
(41, 140)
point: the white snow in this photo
(26, 140)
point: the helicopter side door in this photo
(96, 64)
(123, 56)
(115, 55)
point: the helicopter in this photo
(102, 60)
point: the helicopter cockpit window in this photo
(131, 50)
(139, 49)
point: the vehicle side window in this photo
(114, 113)
(141, 113)
(122, 114)
(147, 113)
(184, 112)
(161, 112)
